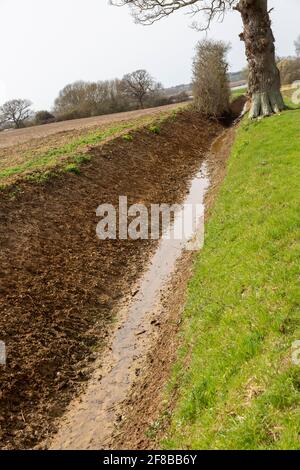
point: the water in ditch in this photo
(90, 422)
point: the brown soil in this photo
(60, 286)
(144, 416)
(19, 136)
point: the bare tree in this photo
(83, 99)
(210, 78)
(297, 46)
(16, 112)
(138, 85)
(264, 77)
(71, 101)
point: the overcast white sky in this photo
(47, 44)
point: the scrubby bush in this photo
(289, 70)
(43, 117)
(210, 78)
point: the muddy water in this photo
(90, 421)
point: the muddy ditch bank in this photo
(60, 285)
(142, 419)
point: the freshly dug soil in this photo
(60, 286)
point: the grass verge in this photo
(236, 382)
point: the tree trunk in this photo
(141, 102)
(264, 76)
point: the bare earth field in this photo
(20, 136)
(63, 145)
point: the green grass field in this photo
(239, 92)
(236, 382)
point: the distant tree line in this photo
(82, 99)
(139, 90)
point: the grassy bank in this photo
(236, 383)
(235, 93)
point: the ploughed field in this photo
(20, 136)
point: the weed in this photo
(72, 168)
(155, 129)
(127, 137)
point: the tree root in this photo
(266, 104)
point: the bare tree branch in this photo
(149, 11)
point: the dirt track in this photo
(60, 286)
(19, 136)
